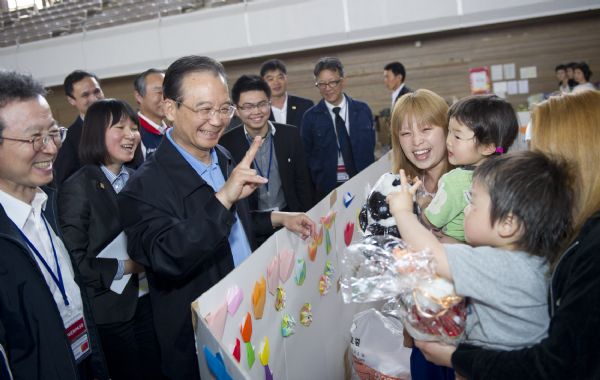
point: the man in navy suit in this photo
(338, 134)
(149, 95)
(394, 75)
(285, 108)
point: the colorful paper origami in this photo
(236, 350)
(264, 358)
(312, 251)
(328, 219)
(348, 198)
(319, 238)
(280, 298)
(259, 296)
(324, 284)
(306, 316)
(348, 232)
(287, 260)
(329, 269)
(216, 365)
(273, 274)
(288, 325)
(246, 332)
(216, 320)
(234, 299)
(327, 242)
(300, 271)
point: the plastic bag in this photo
(376, 347)
(383, 268)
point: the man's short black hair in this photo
(15, 86)
(331, 64)
(397, 68)
(186, 65)
(560, 67)
(75, 77)
(571, 65)
(272, 65)
(101, 115)
(247, 83)
(535, 188)
(139, 83)
(491, 118)
(585, 69)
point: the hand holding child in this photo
(402, 200)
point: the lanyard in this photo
(58, 280)
(269, 168)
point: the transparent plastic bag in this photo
(431, 311)
(383, 268)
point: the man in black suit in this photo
(394, 76)
(285, 108)
(82, 89)
(281, 156)
(184, 211)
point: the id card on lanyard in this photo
(73, 320)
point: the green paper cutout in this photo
(327, 242)
(250, 354)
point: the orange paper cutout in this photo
(259, 295)
(246, 328)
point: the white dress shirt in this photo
(280, 114)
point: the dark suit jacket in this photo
(89, 218)
(178, 230)
(405, 90)
(320, 142)
(296, 107)
(295, 179)
(67, 161)
(31, 328)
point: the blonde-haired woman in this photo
(568, 126)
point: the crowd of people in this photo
(111, 228)
(574, 77)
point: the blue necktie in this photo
(344, 141)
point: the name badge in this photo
(78, 338)
(342, 175)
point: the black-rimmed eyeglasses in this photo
(330, 84)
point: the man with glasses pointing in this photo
(184, 211)
(338, 134)
(281, 156)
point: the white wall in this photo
(260, 28)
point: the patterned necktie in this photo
(344, 142)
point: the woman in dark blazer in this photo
(89, 217)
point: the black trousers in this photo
(131, 348)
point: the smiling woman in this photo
(89, 217)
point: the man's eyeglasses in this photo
(248, 107)
(224, 112)
(330, 84)
(39, 142)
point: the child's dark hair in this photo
(492, 119)
(535, 188)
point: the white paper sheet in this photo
(117, 249)
(512, 87)
(528, 72)
(497, 72)
(509, 71)
(523, 86)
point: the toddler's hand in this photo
(402, 200)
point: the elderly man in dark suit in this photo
(184, 211)
(281, 156)
(338, 134)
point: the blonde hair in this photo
(422, 107)
(570, 126)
